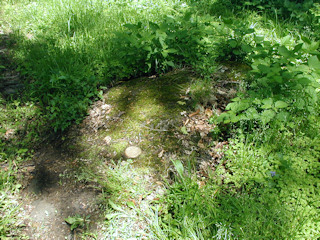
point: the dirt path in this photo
(80, 173)
(149, 116)
(51, 196)
(84, 173)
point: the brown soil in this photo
(51, 195)
(50, 192)
(151, 113)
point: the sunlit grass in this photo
(260, 191)
(20, 126)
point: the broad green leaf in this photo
(223, 117)
(232, 43)
(246, 48)
(280, 104)
(238, 106)
(186, 17)
(234, 118)
(264, 68)
(284, 51)
(298, 47)
(181, 103)
(111, 215)
(256, 101)
(147, 48)
(300, 103)
(283, 116)
(184, 130)
(258, 39)
(71, 220)
(131, 26)
(304, 81)
(276, 79)
(179, 167)
(130, 204)
(302, 68)
(237, 99)
(243, 116)
(252, 113)
(164, 53)
(286, 40)
(249, 31)
(267, 116)
(228, 20)
(236, 52)
(153, 26)
(169, 63)
(114, 206)
(231, 106)
(171, 50)
(267, 103)
(306, 40)
(314, 62)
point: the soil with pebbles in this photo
(51, 192)
(51, 195)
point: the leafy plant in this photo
(194, 212)
(282, 85)
(77, 221)
(232, 46)
(65, 97)
(156, 47)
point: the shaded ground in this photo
(143, 112)
(51, 196)
(78, 173)
(10, 79)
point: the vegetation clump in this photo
(259, 176)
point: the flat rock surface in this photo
(132, 152)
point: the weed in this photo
(77, 221)
(267, 187)
(281, 87)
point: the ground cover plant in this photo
(265, 184)
(18, 134)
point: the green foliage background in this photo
(268, 185)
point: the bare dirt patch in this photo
(69, 173)
(51, 195)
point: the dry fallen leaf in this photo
(201, 184)
(159, 183)
(194, 113)
(160, 153)
(208, 112)
(201, 145)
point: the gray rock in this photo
(132, 152)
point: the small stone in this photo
(107, 140)
(105, 106)
(132, 152)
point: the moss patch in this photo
(144, 112)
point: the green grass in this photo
(267, 184)
(74, 42)
(20, 127)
